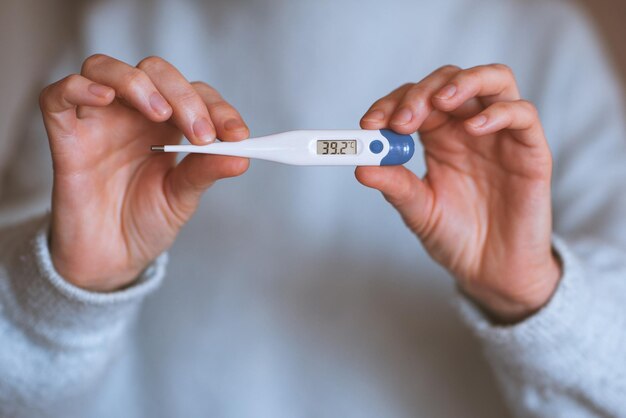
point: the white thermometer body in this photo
(315, 147)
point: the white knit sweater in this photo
(296, 292)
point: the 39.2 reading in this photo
(336, 147)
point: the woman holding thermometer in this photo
(295, 291)
(482, 210)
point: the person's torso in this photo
(295, 291)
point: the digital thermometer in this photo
(322, 147)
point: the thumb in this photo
(411, 196)
(194, 174)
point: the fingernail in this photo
(158, 104)
(478, 121)
(203, 130)
(446, 92)
(402, 116)
(99, 90)
(374, 115)
(233, 124)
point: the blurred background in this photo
(33, 31)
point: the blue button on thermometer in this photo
(340, 147)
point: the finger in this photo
(490, 83)
(410, 195)
(228, 122)
(190, 112)
(406, 109)
(186, 182)
(131, 84)
(379, 113)
(58, 101)
(416, 110)
(197, 172)
(520, 117)
(416, 106)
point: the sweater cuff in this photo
(546, 332)
(46, 306)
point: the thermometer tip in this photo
(157, 148)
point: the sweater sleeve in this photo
(56, 338)
(567, 360)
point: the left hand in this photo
(483, 209)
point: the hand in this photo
(483, 209)
(116, 205)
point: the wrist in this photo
(510, 306)
(86, 279)
(83, 274)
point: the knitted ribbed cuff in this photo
(546, 332)
(42, 303)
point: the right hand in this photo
(115, 205)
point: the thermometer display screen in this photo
(336, 147)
